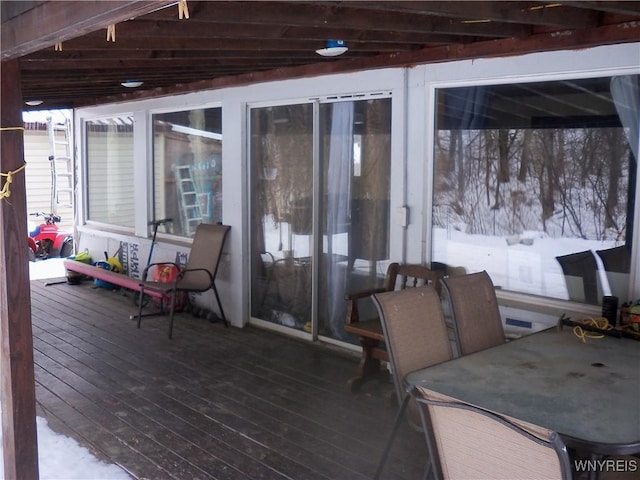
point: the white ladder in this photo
(61, 159)
(188, 197)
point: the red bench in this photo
(119, 279)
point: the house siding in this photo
(411, 90)
(38, 178)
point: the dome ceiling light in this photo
(333, 48)
(131, 83)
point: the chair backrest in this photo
(474, 308)
(398, 277)
(617, 265)
(414, 331)
(204, 257)
(401, 276)
(469, 442)
(581, 276)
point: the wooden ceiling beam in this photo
(224, 43)
(52, 68)
(58, 58)
(611, 6)
(217, 44)
(52, 22)
(112, 85)
(314, 15)
(533, 13)
(540, 42)
(141, 28)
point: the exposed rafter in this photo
(48, 23)
(224, 42)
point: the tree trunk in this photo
(525, 158)
(615, 170)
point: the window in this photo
(320, 217)
(110, 171)
(187, 163)
(529, 172)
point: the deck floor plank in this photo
(214, 402)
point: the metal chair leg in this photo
(173, 308)
(224, 318)
(392, 435)
(595, 474)
(140, 306)
(428, 469)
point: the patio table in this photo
(587, 392)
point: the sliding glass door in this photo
(320, 182)
(281, 214)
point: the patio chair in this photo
(398, 277)
(465, 441)
(416, 337)
(199, 274)
(476, 321)
(581, 276)
(617, 266)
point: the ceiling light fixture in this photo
(131, 83)
(333, 48)
(33, 103)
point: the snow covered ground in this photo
(50, 268)
(62, 458)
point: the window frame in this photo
(169, 105)
(84, 174)
(514, 298)
(151, 167)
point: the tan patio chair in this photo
(398, 277)
(474, 307)
(416, 337)
(199, 274)
(467, 442)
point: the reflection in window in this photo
(187, 162)
(110, 186)
(344, 222)
(529, 172)
(355, 164)
(281, 214)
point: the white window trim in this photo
(548, 66)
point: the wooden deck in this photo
(214, 402)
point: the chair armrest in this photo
(362, 294)
(352, 298)
(183, 272)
